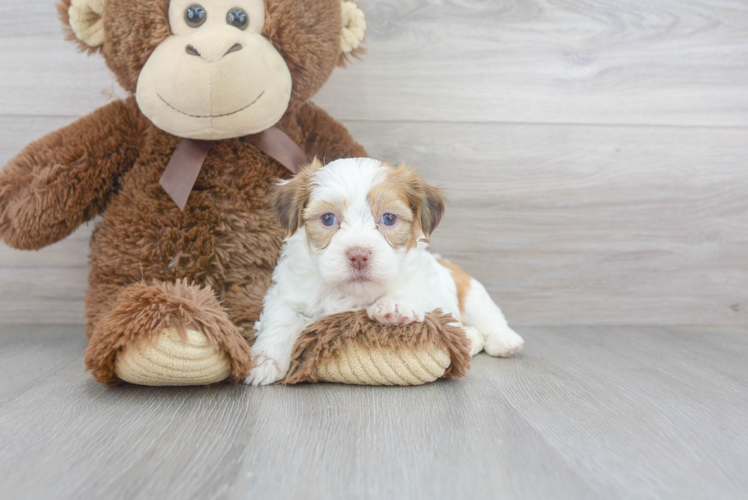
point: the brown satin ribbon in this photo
(276, 144)
(181, 173)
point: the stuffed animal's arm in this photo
(326, 138)
(65, 178)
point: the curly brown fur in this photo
(307, 34)
(325, 138)
(324, 339)
(137, 27)
(226, 235)
(243, 302)
(66, 178)
(144, 310)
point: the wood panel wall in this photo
(595, 154)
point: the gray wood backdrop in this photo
(594, 153)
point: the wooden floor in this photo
(584, 413)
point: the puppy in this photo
(358, 239)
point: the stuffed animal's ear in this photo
(85, 19)
(353, 30)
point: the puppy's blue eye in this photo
(328, 219)
(389, 219)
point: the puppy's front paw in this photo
(271, 366)
(395, 312)
(476, 340)
(265, 373)
(503, 343)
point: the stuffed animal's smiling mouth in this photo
(211, 116)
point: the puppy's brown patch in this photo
(318, 234)
(462, 282)
(390, 197)
(418, 206)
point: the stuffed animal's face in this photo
(224, 78)
(361, 218)
(217, 69)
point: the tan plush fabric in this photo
(354, 27)
(239, 95)
(383, 366)
(85, 20)
(169, 361)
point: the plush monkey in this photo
(180, 171)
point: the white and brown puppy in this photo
(364, 246)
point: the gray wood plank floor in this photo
(603, 412)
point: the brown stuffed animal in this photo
(180, 173)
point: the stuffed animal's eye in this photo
(389, 219)
(195, 16)
(237, 18)
(328, 219)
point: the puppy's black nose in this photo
(359, 257)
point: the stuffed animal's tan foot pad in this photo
(350, 348)
(354, 364)
(137, 340)
(170, 361)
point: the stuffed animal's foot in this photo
(349, 348)
(391, 311)
(169, 359)
(503, 342)
(167, 334)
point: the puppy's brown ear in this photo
(432, 206)
(427, 202)
(288, 198)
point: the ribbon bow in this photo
(181, 173)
